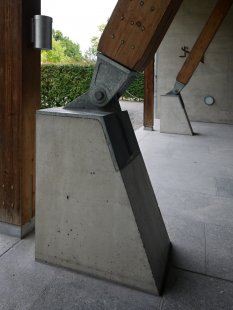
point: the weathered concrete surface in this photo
(188, 175)
(214, 77)
(173, 116)
(6, 243)
(84, 214)
(17, 230)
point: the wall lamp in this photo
(42, 32)
(209, 100)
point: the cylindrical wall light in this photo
(209, 100)
(42, 32)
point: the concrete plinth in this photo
(19, 231)
(96, 211)
(173, 116)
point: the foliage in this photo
(60, 84)
(90, 54)
(56, 55)
(136, 89)
(72, 50)
(64, 50)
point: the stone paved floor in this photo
(135, 110)
(193, 181)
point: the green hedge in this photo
(60, 84)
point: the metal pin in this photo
(122, 41)
(152, 8)
(132, 22)
(99, 95)
(12, 187)
(12, 205)
(138, 24)
(142, 28)
(122, 17)
(3, 185)
(133, 47)
(3, 203)
(141, 3)
(113, 36)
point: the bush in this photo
(60, 84)
(136, 90)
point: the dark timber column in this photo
(148, 116)
(19, 99)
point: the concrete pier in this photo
(173, 116)
(96, 211)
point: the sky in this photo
(78, 19)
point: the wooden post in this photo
(19, 99)
(148, 116)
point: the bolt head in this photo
(99, 95)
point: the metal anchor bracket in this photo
(176, 89)
(109, 82)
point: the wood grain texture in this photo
(10, 100)
(30, 103)
(148, 115)
(202, 43)
(135, 31)
(19, 95)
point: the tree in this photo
(64, 50)
(72, 50)
(91, 53)
(56, 55)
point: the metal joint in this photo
(109, 81)
(177, 88)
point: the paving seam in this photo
(202, 274)
(10, 248)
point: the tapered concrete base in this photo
(96, 211)
(173, 116)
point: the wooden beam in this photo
(19, 99)
(206, 36)
(148, 115)
(135, 31)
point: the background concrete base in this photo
(91, 214)
(16, 230)
(173, 116)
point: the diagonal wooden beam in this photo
(202, 43)
(135, 31)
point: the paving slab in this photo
(6, 243)
(181, 179)
(21, 278)
(195, 206)
(70, 291)
(188, 243)
(190, 291)
(135, 109)
(224, 187)
(219, 251)
(27, 284)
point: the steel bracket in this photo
(177, 88)
(109, 82)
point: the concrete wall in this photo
(214, 77)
